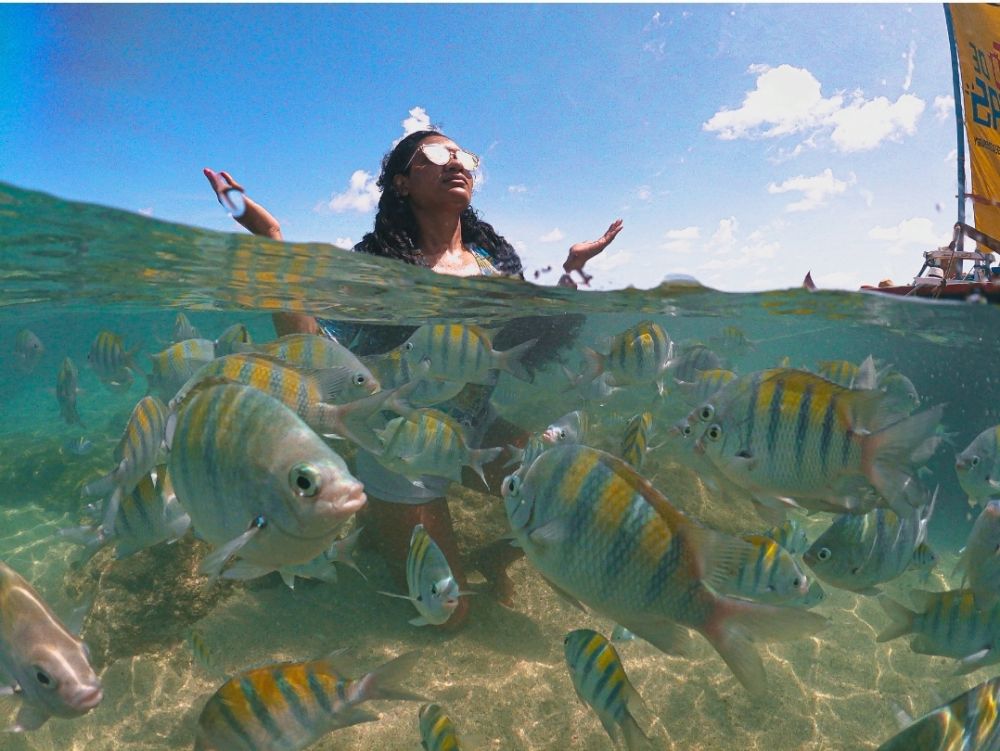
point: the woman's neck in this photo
(439, 235)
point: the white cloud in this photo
(606, 262)
(361, 195)
(918, 231)
(681, 240)
(644, 192)
(514, 189)
(418, 120)
(909, 56)
(147, 211)
(654, 22)
(815, 190)
(868, 196)
(554, 236)
(944, 107)
(788, 101)
(865, 124)
(344, 242)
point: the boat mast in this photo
(956, 81)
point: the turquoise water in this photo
(67, 271)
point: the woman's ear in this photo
(399, 182)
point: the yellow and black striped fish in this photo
(640, 354)
(600, 682)
(315, 352)
(67, 388)
(110, 361)
(969, 722)
(635, 442)
(175, 365)
(437, 733)
(462, 353)
(291, 705)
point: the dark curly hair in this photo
(395, 232)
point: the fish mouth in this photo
(88, 698)
(348, 497)
(550, 436)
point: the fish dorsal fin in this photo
(866, 378)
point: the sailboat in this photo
(974, 35)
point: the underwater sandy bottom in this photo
(502, 678)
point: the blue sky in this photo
(741, 144)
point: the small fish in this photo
(111, 362)
(848, 374)
(767, 573)
(79, 446)
(899, 392)
(948, 624)
(316, 352)
(924, 561)
(430, 442)
(637, 355)
(705, 385)
(600, 682)
(257, 482)
(28, 350)
(692, 360)
(980, 560)
(234, 339)
(978, 466)
(291, 705)
(570, 428)
(620, 633)
(790, 535)
(201, 653)
(437, 733)
(50, 667)
(860, 551)
(393, 370)
(732, 339)
(463, 353)
(175, 365)
(138, 451)
(969, 722)
(793, 434)
(635, 442)
(183, 329)
(523, 457)
(66, 390)
(604, 537)
(432, 587)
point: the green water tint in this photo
(71, 270)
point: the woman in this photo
(424, 218)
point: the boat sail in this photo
(974, 34)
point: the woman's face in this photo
(433, 187)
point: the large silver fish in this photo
(978, 466)
(258, 483)
(50, 667)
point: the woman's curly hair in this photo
(395, 231)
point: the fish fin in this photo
(288, 577)
(399, 597)
(332, 381)
(111, 511)
(242, 570)
(977, 660)
(218, 558)
(773, 516)
(736, 624)
(383, 682)
(564, 594)
(872, 591)
(902, 619)
(903, 718)
(91, 538)
(866, 378)
(593, 367)
(419, 621)
(9, 690)
(510, 360)
(100, 487)
(479, 457)
(553, 532)
(30, 717)
(349, 420)
(887, 456)
(718, 555)
(667, 636)
(516, 456)
(922, 599)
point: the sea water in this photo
(68, 271)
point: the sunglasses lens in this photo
(437, 153)
(468, 161)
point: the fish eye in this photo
(561, 435)
(706, 413)
(824, 554)
(686, 431)
(511, 485)
(796, 582)
(856, 570)
(43, 678)
(974, 461)
(408, 346)
(714, 432)
(359, 379)
(305, 480)
(434, 590)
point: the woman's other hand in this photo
(254, 217)
(580, 253)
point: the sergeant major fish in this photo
(175, 365)
(432, 587)
(50, 667)
(978, 466)
(28, 350)
(315, 352)
(635, 442)
(600, 682)
(291, 705)
(979, 563)
(604, 537)
(570, 428)
(639, 354)
(768, 573)
(66, 390)
(437, 732)
(110, 361)
(257, 482)
(463, 353)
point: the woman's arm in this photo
(580, 253)
(259, 221)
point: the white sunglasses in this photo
(439, 154)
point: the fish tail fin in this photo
(349, 421)
(889, 453)
(111, 511)
(479, 457)
(510, 360)
(635, 738)
(902, 619)
(593, 365)
(91, 538)
(100, 487)
(736, 624)
(383, 682)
